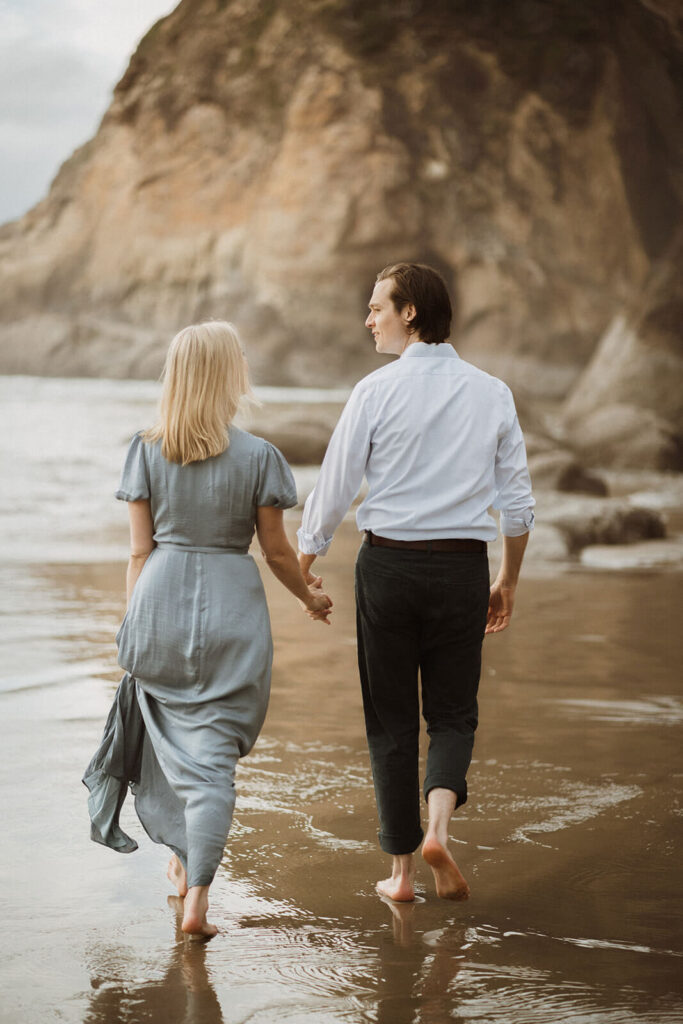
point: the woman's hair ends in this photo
(204, 378)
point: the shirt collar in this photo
(420, 349)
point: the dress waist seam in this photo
(165, 545)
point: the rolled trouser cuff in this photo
(397, 845)
(440, 782)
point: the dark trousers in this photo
(426, 611)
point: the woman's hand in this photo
(319, 605)
(281, 559)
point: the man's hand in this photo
(319, 605)
(306, 561)
(502, 598)
(501, 603)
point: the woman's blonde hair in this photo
(204, 378)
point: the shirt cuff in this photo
(516, 524)
(312, 543)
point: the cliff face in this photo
(262, 161)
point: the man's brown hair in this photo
(424, 288)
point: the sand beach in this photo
(569, 840)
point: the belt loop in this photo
(429, 547)
(368, 534)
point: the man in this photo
(439, 443)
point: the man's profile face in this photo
(388, 327)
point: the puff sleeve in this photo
(275, 484)
(134, 484)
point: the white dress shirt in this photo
(439, 443)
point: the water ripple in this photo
(573, 805)
(656, 710)
(316, 959)
(492, 994)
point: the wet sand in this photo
(567, 841)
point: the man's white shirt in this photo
(439, 443)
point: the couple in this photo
(439, 443)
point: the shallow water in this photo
(568, 840)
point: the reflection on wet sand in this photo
(181, 992)
(417, 969)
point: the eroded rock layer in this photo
(261, 161)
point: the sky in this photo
(59, 62)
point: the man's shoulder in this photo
(403, 369)
(483, 378)
(378, 377)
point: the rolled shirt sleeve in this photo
(341, 476)
(513, 484)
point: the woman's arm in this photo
(282, 562)
(141, 541)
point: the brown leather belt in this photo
(445, 544)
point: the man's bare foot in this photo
(398, 889)
(450, 884)
(194, 918)
(400, 886)
(176, 873)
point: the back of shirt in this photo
(439, 442)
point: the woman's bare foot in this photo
(400, 886)
(177, 874)
(194, 918)
(450, 884)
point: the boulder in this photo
(301, 432)
(627, 437)
(560, 471)
(589, 521)
(626, 409)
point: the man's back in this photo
(439, 443)
(436, 423)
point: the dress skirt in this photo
(175, 736)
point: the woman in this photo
(195, 641)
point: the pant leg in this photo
(450, 665)
(388, 666)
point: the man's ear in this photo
(409, 313)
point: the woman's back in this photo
(212, 503)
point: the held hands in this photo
(501, 602)
(319, 605)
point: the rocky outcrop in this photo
(627, 437)
(262, 161)
(301, 433)
(626, 409)
(560, 471)
(594, 521)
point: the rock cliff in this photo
(261, 161)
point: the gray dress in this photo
(197, 648)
